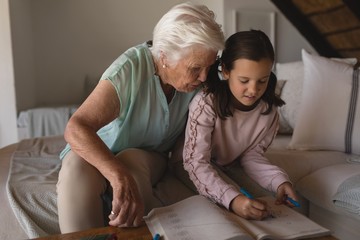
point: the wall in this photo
(288, 40)
(8, 132)
(57, 44)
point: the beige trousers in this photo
(80, 187)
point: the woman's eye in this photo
(195, 70)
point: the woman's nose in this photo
(203, 75)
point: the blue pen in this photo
(156, 237)
(248, 195)
(295, 203)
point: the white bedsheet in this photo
(45, 121)
(31, 186)
(10, 228)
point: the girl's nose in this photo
(252, 88)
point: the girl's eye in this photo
(263, 81)
(244, 81)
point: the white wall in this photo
(288, 40)
(56, 44)
(8, 132)
(23, 47)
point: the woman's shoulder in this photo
(134, 54)
(138, 56)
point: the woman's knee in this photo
(76, 173)
(142, 163)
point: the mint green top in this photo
(145, 120)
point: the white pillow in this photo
(325, 120)
(321, 185)
(293, 73)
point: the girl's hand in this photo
(285, 190)
(249, 208)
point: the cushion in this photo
(348, 195)
(328, 118)
(293, 73)
(321, 186)
(284, 128)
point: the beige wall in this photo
(8, 132)
(57, 44)
(288, 40)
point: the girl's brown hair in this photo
(252, 45)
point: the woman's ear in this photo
(163, 60)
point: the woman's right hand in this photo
(127, 206)
(249, 208)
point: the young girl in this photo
(234, 120)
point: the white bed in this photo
(14, 226)
(28, 196)
(34, 165)
(44, 121)
(9, 226)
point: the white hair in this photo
(184, 26)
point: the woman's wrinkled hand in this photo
(127, 206)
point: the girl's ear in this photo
(225, 73)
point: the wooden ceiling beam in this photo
(354, 6)
(305, 27)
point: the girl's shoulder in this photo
(204, 97)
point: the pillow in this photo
(321, 186)
(328, 118)
(293, 73)
(348, 195)
(284, 127)
(279, 86)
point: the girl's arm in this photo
(258, 167)
(197, 154)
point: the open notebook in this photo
(198, 218)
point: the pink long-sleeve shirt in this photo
(244, 137)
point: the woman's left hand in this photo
(127, 205)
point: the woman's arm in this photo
(99, 109)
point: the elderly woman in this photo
(120, 137)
